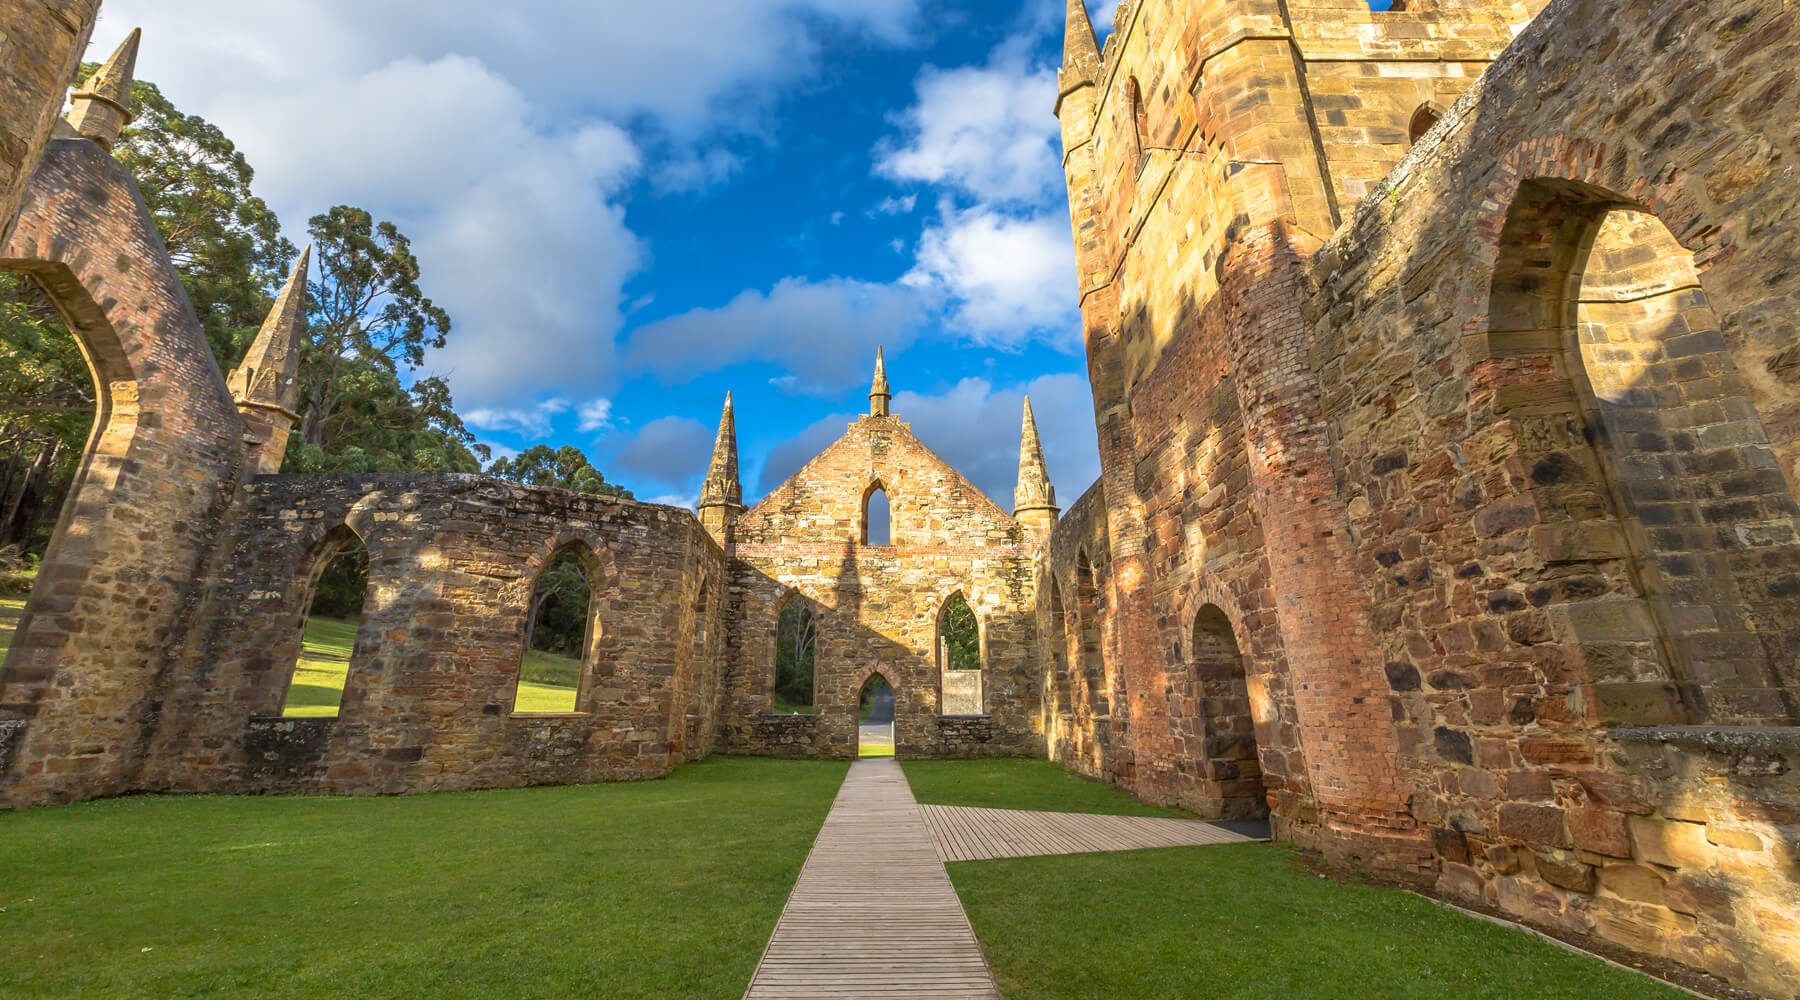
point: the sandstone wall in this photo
(428, 701)
(113, 607)
(1565, 509)
(878, 606)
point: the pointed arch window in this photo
(796, 646)
(1140, 122)
(1422, 121)
(877, 517)
(560, 633)
(959, 658)
(330, 618)
(1093, 664)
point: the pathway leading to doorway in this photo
(873, 913)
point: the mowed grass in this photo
(1248, 922)
(10, 610)
(655, 890)
(1015, 783)
(548, 684)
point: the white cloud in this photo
(532, 422)
(895, 206)
(1010, 277)
(823, 332)
(986, 131)
(975, 427)
(594, 415)
(1102, 15)
(668, 452)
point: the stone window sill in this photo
(547, 715)
(975, 715)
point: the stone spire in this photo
(1081, 53)
(879, 396)
(1034, 499)
(266, 383)
(102, 106)
(721, 496)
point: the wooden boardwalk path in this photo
(964, 833)
(873, 913)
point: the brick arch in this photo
(1207, 589)
(111, 615)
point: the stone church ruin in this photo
(1446, 373)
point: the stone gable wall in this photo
(878, 605)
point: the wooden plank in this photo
(968, 833)
(873, 913)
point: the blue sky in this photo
(630, 209)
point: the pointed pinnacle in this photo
(1034, 489)
(102, 106)
(271, 367)
(722, 487)
(1081, 50)
(879, 394)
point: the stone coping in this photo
(1720, 739)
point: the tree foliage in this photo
(961, 635)
(47, 406)
(565, 468)
(224, 241)
(795, 640)
(560, 602)
(366, 315)
(343, 583)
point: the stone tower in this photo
(266, 384)
(102, 107)
(721, 496)
(1034, 499)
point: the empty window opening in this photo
(1140, 123)
(1659, 446)
(796, 641)
(47, 411)
(1422, 121)
(959, 658)
(877, 518)
(1093, 664)
(332, 615)
(1219, 702)
(875, 718)
(561, 630)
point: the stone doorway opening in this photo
(875, 718)
(48, 412)
(1223, 738)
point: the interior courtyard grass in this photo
(1017, 783)
(657, 889)
(1249, 922)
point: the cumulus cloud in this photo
(1008, 277)
(668, 453)
(984, 130)
(822, 332)
(594, 415)
(532, 422)
(495, 137)
(975, 427)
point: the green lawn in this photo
(548, 684)
(1013, 783)
(656, 890)
(1247, 922)
(10, 610)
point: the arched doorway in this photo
(875, 718)
(1229, 767)
(47, 411)
(1667, 520)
